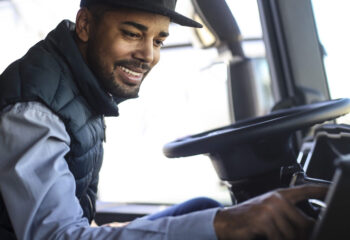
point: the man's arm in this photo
(39, 190)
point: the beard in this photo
(107, 79)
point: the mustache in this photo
(132, 63)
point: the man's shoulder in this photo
(42, 61)
(39, 74)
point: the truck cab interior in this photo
(283, 131)
(271, 116)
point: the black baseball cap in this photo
(162, 7)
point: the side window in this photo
(332, 20)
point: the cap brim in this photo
(184, 21)
(174, 16)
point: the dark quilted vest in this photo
(53, 72)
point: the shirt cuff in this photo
(196, 225)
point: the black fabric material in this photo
(53, 72)
(162, 7)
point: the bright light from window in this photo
(246, 13)
(332, 18)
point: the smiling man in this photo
(52, 105)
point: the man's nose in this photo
(145, 51)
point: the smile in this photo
(130, 77)
(128, 71)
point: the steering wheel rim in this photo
(271, 125)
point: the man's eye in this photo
(131, 34)
(159, 43)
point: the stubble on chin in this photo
(119, 90)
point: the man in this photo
(52, 104)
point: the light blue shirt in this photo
(39, 190)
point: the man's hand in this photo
(272, 215)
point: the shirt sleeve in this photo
(39, 190)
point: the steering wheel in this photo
(272, 125)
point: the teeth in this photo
(135, 74)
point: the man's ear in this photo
(83, 24)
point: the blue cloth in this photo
(39, 190)
(192, 205)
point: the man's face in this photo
(123, 46)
